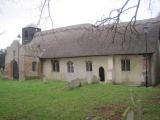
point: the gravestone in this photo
(95, 79)
(130, 115)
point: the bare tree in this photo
(45, 5)
(113, 19)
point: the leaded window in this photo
(88, 66)
(125, 65)
(70, 67)
(55, 66)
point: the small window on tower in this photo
(26, 34)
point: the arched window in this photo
(70, 67)
(26, 34)
(55, 65)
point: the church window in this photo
(26, 34)
(125, 65)
(34, 66)
(88, 66)
(55, 65)
(70, 67)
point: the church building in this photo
(87, 52)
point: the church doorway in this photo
(15, 70)
(101, 74)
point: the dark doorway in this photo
(15, 70)
(101, 74)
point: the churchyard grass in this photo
(36, 100)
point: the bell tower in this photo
(28, 33)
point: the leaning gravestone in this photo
(130, 115)
(77, 83)
(94, 79)
(74, 83)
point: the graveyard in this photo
(39, 100)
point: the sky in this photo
(16, 14)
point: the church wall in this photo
(79, 68)
(28, 72)
(111, 65)
(137, 69)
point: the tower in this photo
(28, 33)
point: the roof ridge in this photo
(62, 29)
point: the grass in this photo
(35, 100)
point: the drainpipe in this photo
(114, 71)
(146, 45)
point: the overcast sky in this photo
(14, 15)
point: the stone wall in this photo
(28, 72)
(9, 71)
(12, 54)
(24, 55)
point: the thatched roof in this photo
(86, 40)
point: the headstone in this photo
(77, 83)
(130, 115)
(74, 83)
(94, 79)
